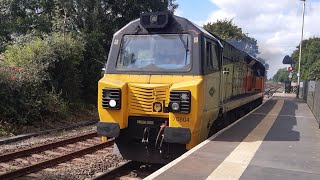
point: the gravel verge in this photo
(84, 167)
(45, 139)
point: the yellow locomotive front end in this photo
(169, 84)
(151, 98)
(147, 103)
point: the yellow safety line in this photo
(236, 163)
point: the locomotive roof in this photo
(177, 25)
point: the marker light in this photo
(184, 96)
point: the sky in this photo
(276, 24)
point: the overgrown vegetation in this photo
(310, 62)
(282, 75)
(40, 76)
(52, 52)
(310, 59)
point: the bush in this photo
(54, 60)
(23, 100)
(40, 78)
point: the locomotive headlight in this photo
(112, 103)
(175, 106)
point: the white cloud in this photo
(178, 12)
(220, 15)
(275, 24)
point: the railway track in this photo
(24, 162)
(129, 169)
(271, 89)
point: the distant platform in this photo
(278, 140)
(288, 95)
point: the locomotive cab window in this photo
(212, 56)
(155, 53)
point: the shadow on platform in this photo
(281, 130)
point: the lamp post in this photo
(304, 6)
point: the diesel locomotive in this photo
(167, 83)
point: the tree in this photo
(310, 59)
(282, 75)
(5, 26)
(77, 16)
(53, 51)
(226, 29)
(233, 34)
(95, 21)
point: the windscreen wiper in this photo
(183, 42)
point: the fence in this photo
(290, 87)
(310, 91)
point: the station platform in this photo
(278, 140)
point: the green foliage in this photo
(310, 59)
(77, 16)
(54, 60)
(94, 57)
(314, 71)
(282, 75)
(233, 34)
(226, 29)
(4, 25)
(23, 99)
(41, 77)
(54, 51)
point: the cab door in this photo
(212, 76)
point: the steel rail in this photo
(54, 161)
(127, 168)
(25, 152)
(113, 173)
